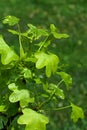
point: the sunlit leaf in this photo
(33, 120)
(10, 20)
(50, 61)
(77, 113)
(66, 78)
(21, 95)
(12, 87)
(7, 54)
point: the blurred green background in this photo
(69, 16)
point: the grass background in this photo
(70, 16)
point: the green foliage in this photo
(48, 60)
(7, 54)
(26, 87)
(66, 78)
(33, 120)
(77, 113)
(11, 20)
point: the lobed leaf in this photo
(33, 120)
(77, 113)
(21, 95)
(50, 61)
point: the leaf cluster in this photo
(25, 78)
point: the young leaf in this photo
(58, 92)
(60, 36)
(2, 108)
(11, 20)
(50, 61)
(33, 120)
(56, 34)
(77, 113)
(27, 73)
(12, 87)
(7, 54)
(21, 95)
(66, 78)
(53, 28)
(36, 32)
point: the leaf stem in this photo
(51, 96)
(49, 37)
(46, 101)
(59, 83)
(19, 33)
(61, 108)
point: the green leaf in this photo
(7, 54)
(77, 113)
(21, 95)
(33, 120)
(12, 87)
(60, 36)
(22, 54)
(50, 61)
(36, 32)
(27, 73)
(11, 20)
(53, 28)
(44, 43)
(58, 92)
(14, 32)
(66, 78)
(56, 34)
(2, 108)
